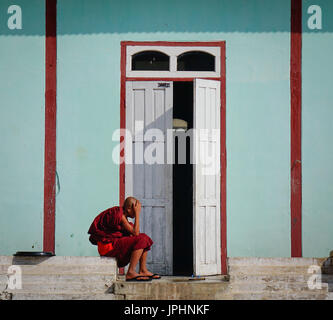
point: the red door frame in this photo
(223, 164)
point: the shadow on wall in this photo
(150, 16)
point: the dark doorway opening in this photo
(183, 181)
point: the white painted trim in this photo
(165, 265)
(206, 193)
(173, 52)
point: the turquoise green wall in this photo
(258, 140)
(22, 129)
(317, 125)
(88, 112)
(258, 103)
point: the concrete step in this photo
(268, 278)
(55, 264)
(212, 291)
(87, 278)
(255, 261)
(6, 260)
(64, 296)
(60, 281)
(270, 270)
(45, 285)
(280, 295)
(50, 289)
(75, 269)
(58, 278)
(57, 260)
(171, 288)
(226, 295)
(277, 278)
(279, 265)
(248, 286)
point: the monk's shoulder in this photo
(116, 212)
(116, 209)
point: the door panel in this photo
(150, 179)
(206, 176)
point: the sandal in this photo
(136, 279)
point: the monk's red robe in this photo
(112, 240)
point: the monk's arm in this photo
(134, 230)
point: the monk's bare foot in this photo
(147, 273)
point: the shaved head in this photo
(129, 202)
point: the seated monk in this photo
(116, 237)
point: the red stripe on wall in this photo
(296, 129)
(50, 124)
(122, 126)
(122, 120)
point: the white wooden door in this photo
(149, 178)
(206, 178)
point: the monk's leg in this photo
(129, 250)
(135, 257)
(143, 263)
(143, 266)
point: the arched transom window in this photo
(196, 61)
(150, 60)
(172, 61)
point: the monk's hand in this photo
(137, 207)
